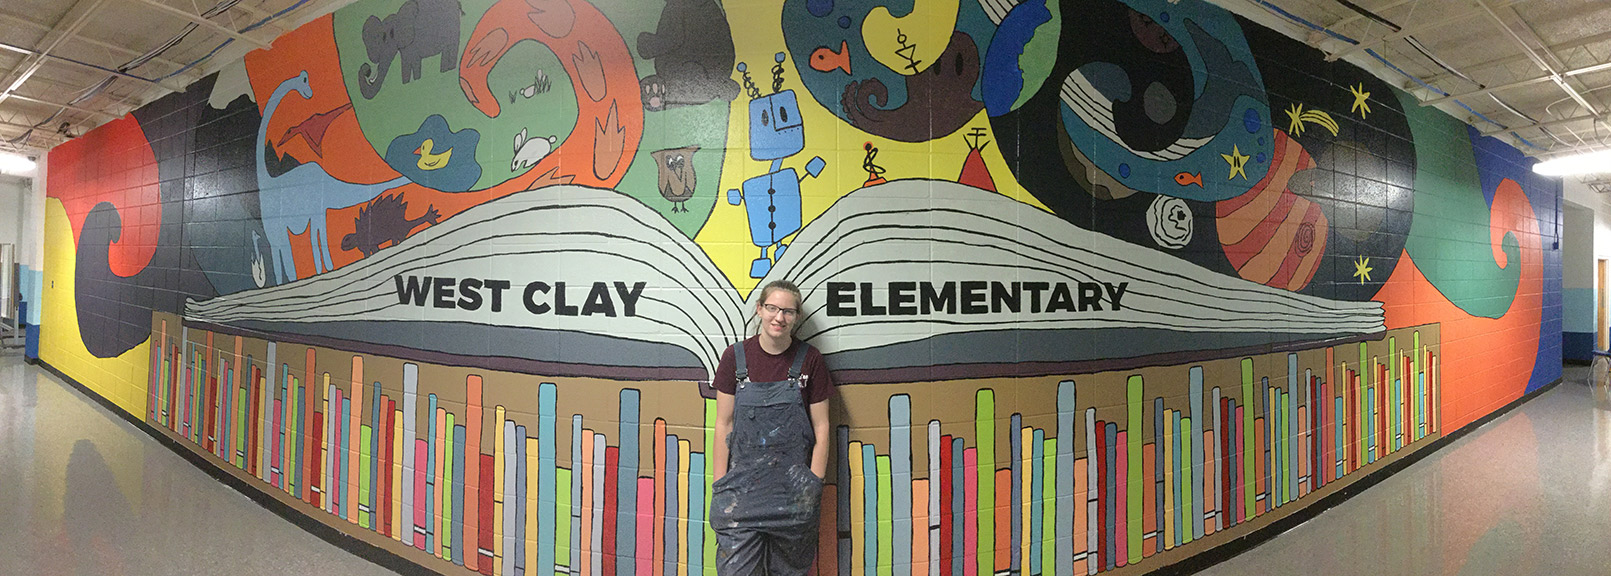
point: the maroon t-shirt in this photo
(766, 367)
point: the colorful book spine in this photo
(984, 426)
(206, 386)
(1088, 526)
(525, 465)
(370, 486)
(658, 549)
(547, 464)
(946, 527)
(519, 513)
(268, 413)
(579, 476)
(393, 466)
(483, 512)
(900, 492)
(1213, 450)
(433, 478)
(612, 460)
(503, 549)
(316, 472)
(1086, 495)
(412, 460)
(295, 433)
(353, 445)
(452, 519)
(251, 415)
(329, 417)
(474, 425)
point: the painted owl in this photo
(677, 179)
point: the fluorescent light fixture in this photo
(15, 164)
(1587, 163)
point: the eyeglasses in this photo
(774, 310)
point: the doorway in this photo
(1600, 289)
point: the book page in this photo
(915, 273)
(565, 275)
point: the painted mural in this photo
(1104, 283)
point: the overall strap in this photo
(740, 365)
(799, 361)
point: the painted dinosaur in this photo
(384, 221)
(295, 202)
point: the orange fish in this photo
(1185, 178)
(825, 60)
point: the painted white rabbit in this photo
(530, 151)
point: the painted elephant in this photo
(419, 29)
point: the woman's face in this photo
(778, 313)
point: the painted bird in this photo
(825, 60)
(1187, 178)
(676, 173)
(429, 161)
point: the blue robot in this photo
(772, 200)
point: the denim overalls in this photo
(764, 511)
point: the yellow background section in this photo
(725, 236)
(121, 379)
(923, 33)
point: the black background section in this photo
(1033, 142)
(1364, 177)
(206, 159)
(1363, 180)
(114, 313)
(208, 191)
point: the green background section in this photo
(704, 126)
(1449, 236)
(1040, 54)
(399, 108)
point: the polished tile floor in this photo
(84, 492)
(1529, 493)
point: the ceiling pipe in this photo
(1357, 17)
(1401, 34)
(1600, 140)
(130, 52)
(88, 66)
(106, 115)
(73, 88)
(1508, 60)
(62, 36)
(220, 28)
(1539, 60)
(24, 128)
(1549, 124)
(196, 21)
(262, 14)
(1519, 84)
(7, 124)
(1586, 148)
(1555, 59)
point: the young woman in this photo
(771, 445)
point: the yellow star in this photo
(1362, 269)
(1238, 162)
(1295, 113)
(1360, 97)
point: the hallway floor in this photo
(1526, 494)
(84, 492)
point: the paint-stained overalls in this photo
(764, 511)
